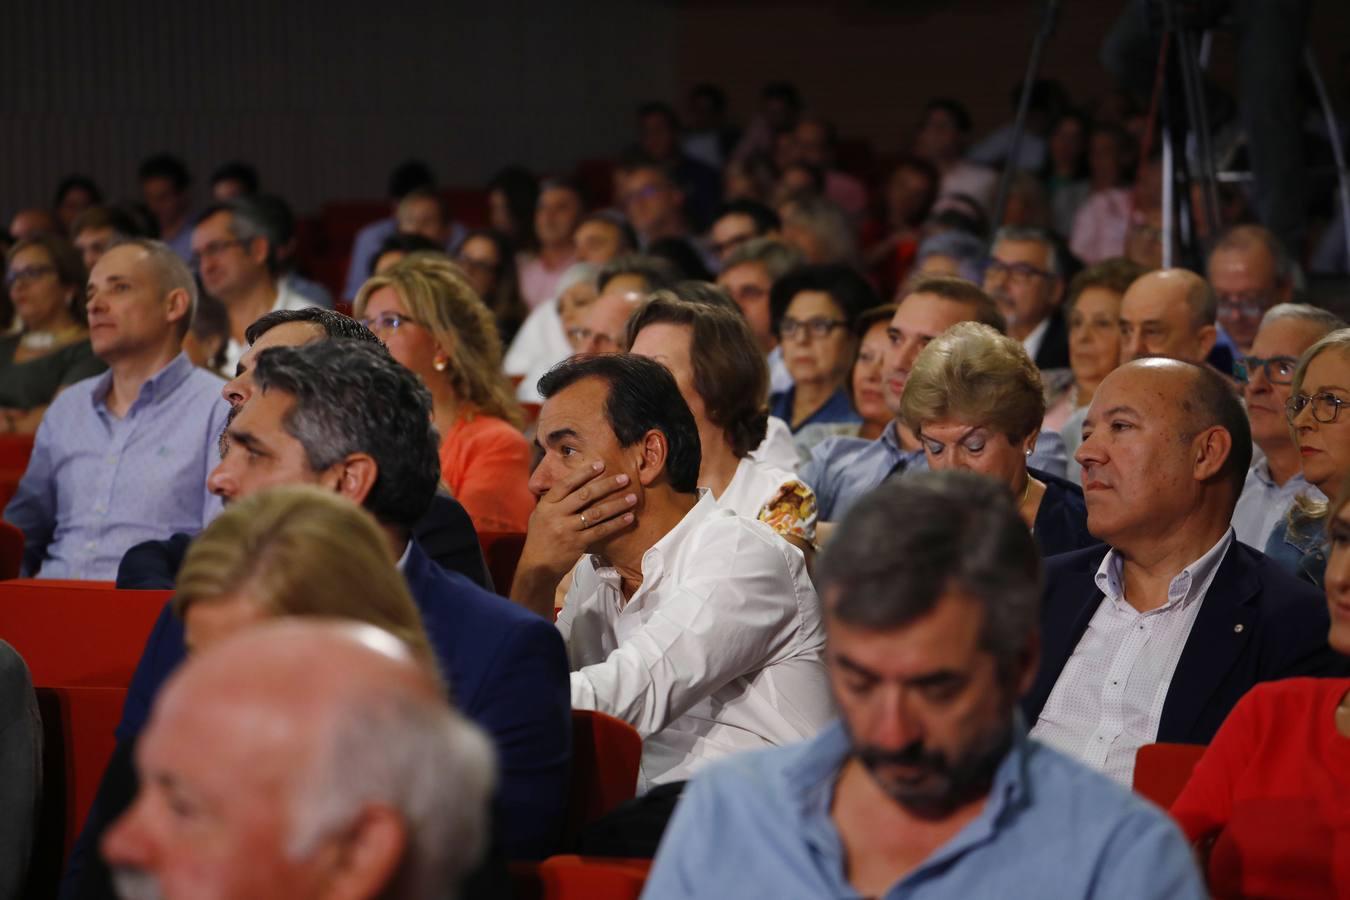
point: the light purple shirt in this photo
(98, 485)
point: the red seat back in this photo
(15, 450)
(1162, 770)
(77, 741)
(11, 551)
(593, 878)
(78, 633)
(606, 753)
(501, 551)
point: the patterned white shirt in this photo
(1109, 698)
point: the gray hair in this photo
(776, 257)
(574, 275)
(414, 755)
(173, 274)
(1242, 237)
(1325, 321)
(965, 248)
(248, 221)
(826, 221)
(1037, 235)
(913, 540)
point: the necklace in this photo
(1026, 492)
(45, 340)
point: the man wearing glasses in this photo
(1267, 374)
(1025, 277)
(234, 252)
(1250, 272)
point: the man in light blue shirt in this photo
(123, 457)
(928, 786)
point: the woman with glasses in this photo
(433, 322)
(490, 263)
(814, 310)
(1265, 806)
(45, 279)
(1321, 427)
(975, 401)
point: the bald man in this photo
(247, 774)
(1171, 313)
(1172, 606)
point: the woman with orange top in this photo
(432, 321)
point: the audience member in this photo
(1155, 636)
(97, 228)
(490, 265)
(1103, 219)
(740, 221)
(952, 252)
(282, 738)
(842, 470)
(780, 103)
(974, 400)
(1027, 206)
(603, 236)
(691, 264)
(1264, 801)
(1025, 276)
(653, 202)
(748, 276)
(865, 384)
(434, 324)
(1093, 313)
(816, 140)
(1066, 170)
(395, 248)
(207, 342)
(405, 178)
(815, 311)
(1250, 272)
(424, 212)
(712, 355)
(513, 195)
(908, 197)
(698, 627)
(1044, 103)
(1275, 480)
(21, 761)
(46, 284)
(544, 339)
(281, 230)
(708, 138)
(944, 134)
(232, 180)
(928, 784)
(235, 254)
(74, 194)
(122, 458)
(166, 192)
(31, 223)
(818, 229)
(659, 143)
(622, 285)
(1168, 313)
(556, 218)
(1320, 389)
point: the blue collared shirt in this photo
(97, 485)
(759, 825)
(837, 410)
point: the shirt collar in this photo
(402, 563)
(1189, 585)
(1032, 342)
(653, 560)
(159, 385)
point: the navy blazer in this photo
(1061, 520)
(1257, 623)
(1054, 350)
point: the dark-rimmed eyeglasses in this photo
(1278, 369)
(28, 274)
(817, 328)
(215, 248)
(1018, 273)
(1326, 407)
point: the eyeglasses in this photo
(1326, 408)
(1278, 369)
(478, 265)
(581, 337)
(212, 250)
(1242, 306)
(28, 274)
(722, 249)
(817, 328)
(387, 322)
(1017, 273)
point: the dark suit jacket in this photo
(1061, 521)
(1255, 624)
(445, 533)
(1054, 349)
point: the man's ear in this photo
(1212, 448)
(366, 857)
(356, 477)
(653, 451)
(179, 305)
(1056, 292)
(1208, 336)
(257, 250)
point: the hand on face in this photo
(582, 508)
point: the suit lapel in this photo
(1220, 635)
(1068, 610)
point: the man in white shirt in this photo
(1026, 279)
(699, 628)
(233, 252)
(1275, 480)
(1158, 635)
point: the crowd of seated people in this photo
(892, 531)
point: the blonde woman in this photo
(294, 551)
(975, 401)
(435, 325)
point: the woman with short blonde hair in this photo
(294, 551)
(975, 400)
(429, 316)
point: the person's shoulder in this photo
(1291, 699)
(1063, 567)
(204, 383)
(456, 595)
(1279, 590)
(755, 778)
(484, 428)
(1083, 799)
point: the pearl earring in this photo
(440, 364)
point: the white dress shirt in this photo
(1032, 342)
(1109, 698)
(1264, 504)
(719, 650)
(774, 496)
(287, 298)
(540, 344)
(777, 448)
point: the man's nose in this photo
(221, 481)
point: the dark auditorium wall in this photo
(323, 95)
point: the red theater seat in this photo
(1162, 770)
(501, 550)
(593, 878)
(15, 450)
(77, 736)
(11, 551)
(78, 633)
(606, 753)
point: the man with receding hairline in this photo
(1250, 271)
(1170, 313)
(1156, 636)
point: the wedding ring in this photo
(583, 521)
